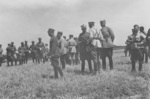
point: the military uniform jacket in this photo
(21, 49)
(136, 41)
(108, 36)
(86, 49)
(63, 46)
(40, 45)
(33, 48)
(13, 49)
(9, 51)
(26, 48)
(54, 49)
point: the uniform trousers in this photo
(107, 52)
(55, 64)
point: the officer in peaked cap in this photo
(91, 23)
(83, 26)
(51, 30)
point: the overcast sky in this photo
(22, 20)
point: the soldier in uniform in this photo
(46, 51)
(40, 46)
(143, 33)
(77, 61)
(87, 50)
(137, 47)
(127, 48)
(22, 50)
(13, 50)
(9, 54)
(63, 49)
(33, 49)
(96, 41)
(107, 44)
(54, 53)
(67, 60)
(148, 42)
(72, 49)
(26, 51)
(1, 54)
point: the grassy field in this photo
(34, 81)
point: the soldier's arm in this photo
(112, 34)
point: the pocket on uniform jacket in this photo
(107, 43)
(110, 43)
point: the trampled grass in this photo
(34, 81)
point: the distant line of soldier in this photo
(37, 52)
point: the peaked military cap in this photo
(91, 23)
(103, 21)
(60, 32)
(71, 35)
(39, 38)
(83, 26)
(51, 29)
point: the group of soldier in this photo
(138, 44)
(38, 52)
(95, 46)
(91, 45)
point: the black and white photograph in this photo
(74, 49)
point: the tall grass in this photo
(33, 81)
